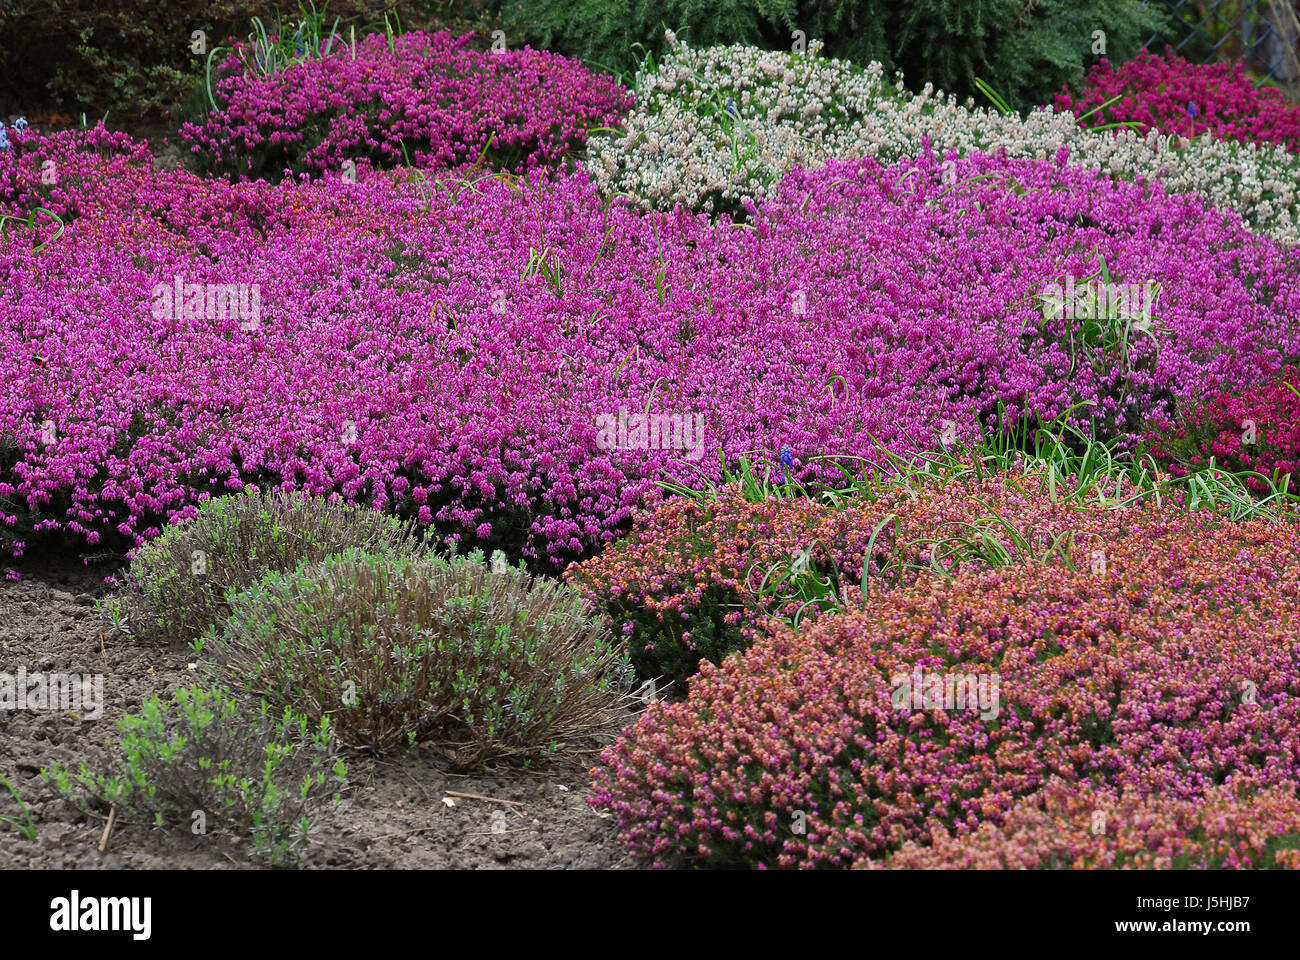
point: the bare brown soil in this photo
(393, 813)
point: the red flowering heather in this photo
(1255, 430)
(1175, 96)
(428, 98)
(1168, 671)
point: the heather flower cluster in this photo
(424, 99)
(692, 582)
(1256, 431)
(1173, 95)
(67, 171)
(1072, 826)
(715, 129)
(447, 355)
(1171, 672)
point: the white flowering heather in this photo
(715, 128)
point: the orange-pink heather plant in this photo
(693, 581)
(1169, 670)
(1073, 826)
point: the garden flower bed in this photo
(938, 459)
(449, 352)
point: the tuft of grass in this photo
(1076, 466)
(272, 51)
(23, 826)
(994, 97)
(7, 221)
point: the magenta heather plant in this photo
(1257, 430)
(427, 98)
(1175, 96)
(65, 171)
(477, 357)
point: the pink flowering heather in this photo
(1175, 96)
(1169, 671)
(452, 356)
(429, 98)
(1256, 430)
(64, 171)
(1066, 825)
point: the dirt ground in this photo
(392, 815)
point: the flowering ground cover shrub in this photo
(1170, 672)
(696, 581)
(1256, 430)
(485, 662)
(427, 99)
(1067, 825)
(680, 584)
(1173, 95)
(716, 128)
(177, 585)
(483, 356)
(59, 173)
